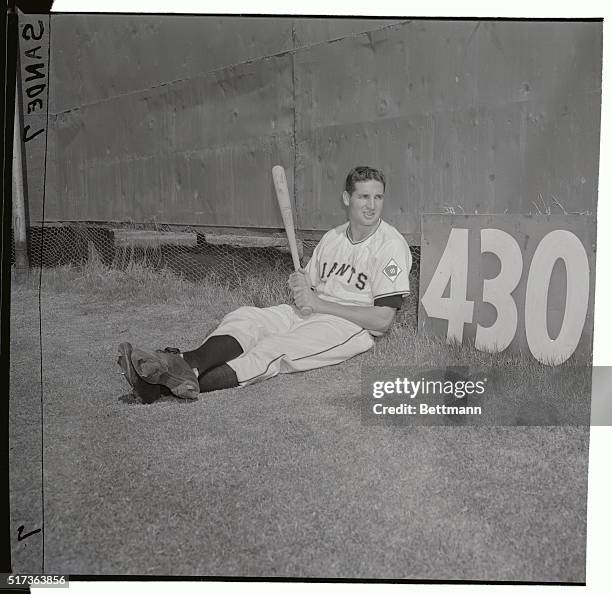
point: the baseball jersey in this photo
(358, 272)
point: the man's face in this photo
(365, 204)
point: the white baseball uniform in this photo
(280, 339)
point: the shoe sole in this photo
(157, 372)
(147, 392)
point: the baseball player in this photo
(351, 288)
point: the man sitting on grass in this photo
(353, 285)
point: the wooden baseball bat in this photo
(284, 203)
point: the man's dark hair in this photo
(363, 173)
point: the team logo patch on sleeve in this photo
(392, 270)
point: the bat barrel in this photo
(284, 203)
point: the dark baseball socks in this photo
(218, 378)
(210, 360)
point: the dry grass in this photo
(554, 206)
(143, 284)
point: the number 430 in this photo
(453, 268)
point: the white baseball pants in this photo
(280, 340)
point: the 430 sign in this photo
(515, 282)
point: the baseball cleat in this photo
(169, 369)
(147, 392)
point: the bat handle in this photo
(305, 311)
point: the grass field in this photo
(275, 479)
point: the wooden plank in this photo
(145, 238)
(19, 225)
(253, 241)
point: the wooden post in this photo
(19, 217)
